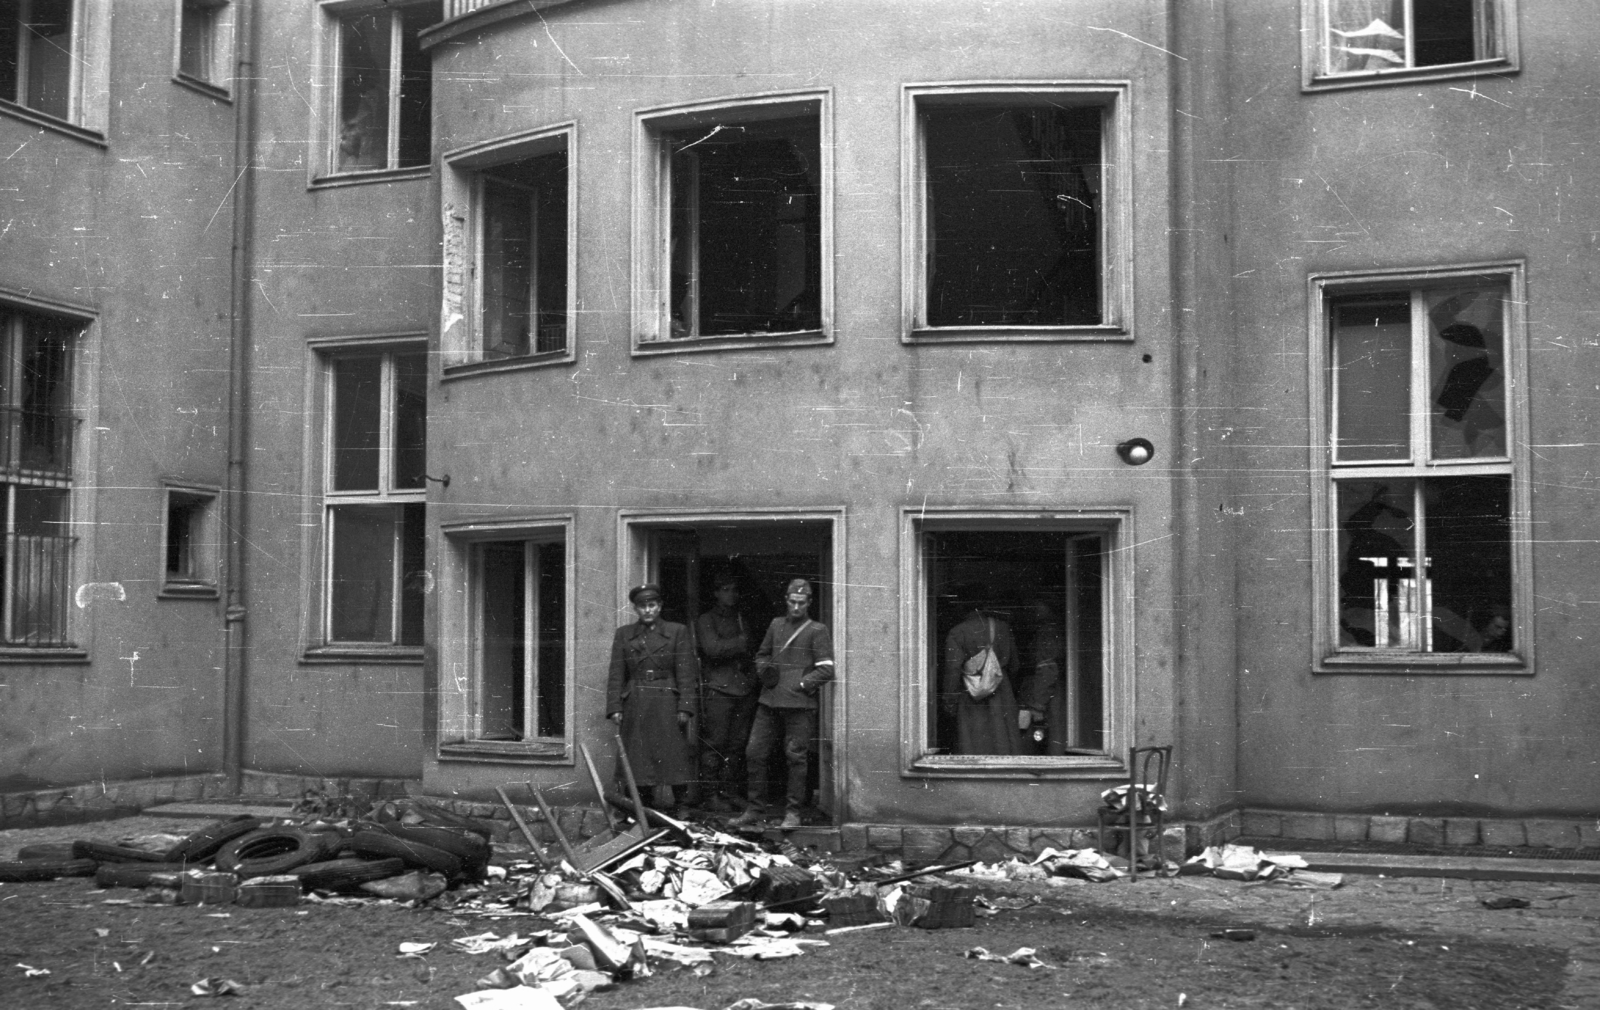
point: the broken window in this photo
(1042, 599)
(1013, 215)
(36, 54)
(36, 436)
(1421, 472)
(188, 548)
(383, 88)
(522, 661)
(377, 435)
(205, 41)
(1378, 36)
(746, 227)
(522, 255)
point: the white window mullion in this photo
(327, 571)
(386, 398)
(76, 62)
(1071, 669)
(533, 270)
(1410, 31)
(392, 145)
(530, 640)
(1421, 415)
(6, 633)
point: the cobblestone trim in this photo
(98, 801)
(1511, 833)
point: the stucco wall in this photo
(868, 424)
(1498, 167)
(137, 234)
(330, 262)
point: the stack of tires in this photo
(323, 857)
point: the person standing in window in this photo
(650, 694)
(1043, 693)
(794, 661)
(730, 689)
(988, 725)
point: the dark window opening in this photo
(36, 433)
(200, 42)
(522, 694)
(1045, 594)
(1014, 216)
(1385, 35)
(383, 70)
(524, 257)
(184, 514)
(377, 443)
(36, 55)
(746, 230)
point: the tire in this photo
(100, 852)
(381, 845)
(59, 851)
(267, 852)
(440, 815)
(471, 849)
(209, 840)
(132, 874)
(45, 869)
(347, 874)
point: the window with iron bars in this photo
(36, 436)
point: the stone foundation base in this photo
(98, 801)
(1533, 832)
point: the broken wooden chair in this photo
(1140, 813)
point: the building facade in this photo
(1233, 360)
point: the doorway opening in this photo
(688, 558)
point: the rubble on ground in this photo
(663, 895)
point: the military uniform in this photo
(794, 661)
(988, 726)
(729, 703)
(652, 679)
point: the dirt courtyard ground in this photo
(1395, 943)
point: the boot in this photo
(752, 815)
(791, 820)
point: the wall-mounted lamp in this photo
(1136, 451)
(445, 480)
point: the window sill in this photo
(203, 87)
(1026, 334)
(188, 591)
(347, 654)
(61, 126)
(1411, 75)
(1417, 664)
(732, 342)
(518, 364)
(371, 176)
(20, 654)
(996, 766)
(522, 751)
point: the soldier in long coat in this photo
(990, 725)
(650, 694)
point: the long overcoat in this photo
(652, 678)
(988, 726)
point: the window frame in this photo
(1313, 35)
(316, 568)
(1327, 654)
(221, 31)
(460, 652)
(652, 216)
(461, 206)
(201, 582)
(1116, 221)
(1116, 523)
(89, 80)
(82, 410)
(324, 168)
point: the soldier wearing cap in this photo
(794, 661)
(729, 703)
(650, 694)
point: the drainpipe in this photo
(241, 263)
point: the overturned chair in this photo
(1137, 811)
